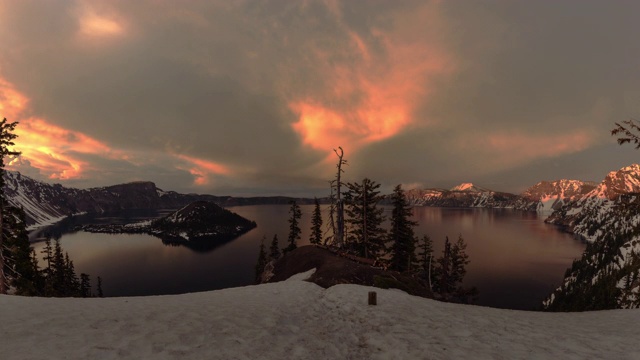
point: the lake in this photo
(516, 259)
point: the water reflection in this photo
(516, 259)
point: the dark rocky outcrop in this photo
(332, 269)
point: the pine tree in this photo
(366, 235)
(58, 269)
(22, 274)
(47, 251)
(630, 132)
(459, 261)
(262, 261)
(85, 285)
(294, 227)
(443, 271)
(71, 285)
(401, 234)
(425, 256)
(99, 287)
(274, 250)
(316, 224)
(6, 140)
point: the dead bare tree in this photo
(337, 205)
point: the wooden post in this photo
(373, 300)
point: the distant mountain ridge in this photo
(542, 197)
(45, 204)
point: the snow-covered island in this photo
(300, 320)
(199, 225)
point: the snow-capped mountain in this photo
(468, 195)
(45, 203)
(469, 187)
(608, 217)
(551, 195)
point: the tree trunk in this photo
(365, 236)
(340, 206)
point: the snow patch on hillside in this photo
(300, 320)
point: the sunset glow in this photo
(97, 26)
(202, 170)
(56, 152)
(247, 97)
(385, 88)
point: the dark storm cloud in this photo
(495, 88)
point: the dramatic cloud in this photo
(246, 97)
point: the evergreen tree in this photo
(401, 235)
(85, 285)
(38, 278)
(294, 227)
(275, 248)
(425, 255)
(262, 261)
(316, 224)
(71, 285)
(22, 274)
(459, 261)
(443, 271)
(99, 287)
(6, 254)
(628, 132)
(366, 236)
(47, 251)
(58, 269)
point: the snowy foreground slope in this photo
(300, 320)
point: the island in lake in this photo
(201, 226)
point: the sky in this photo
(252, 97)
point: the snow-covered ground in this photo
(299, 320)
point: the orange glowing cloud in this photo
(202, 170)
(98, 22)
(373, 95)
(53, 150)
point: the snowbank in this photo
(300, 320)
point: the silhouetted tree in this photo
(425, 257)
(459, 261)
(401, 234)
(85, 285)
(294, 227)
(22, 275)
(274, 250)
(262, 261)
(628, 132)
(316, 224)
(366, 235)
(71, 284)
(6, 140)
(99, 287)
(451, 269)
(336, 208)
(443, 271)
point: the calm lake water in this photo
(516, 259)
